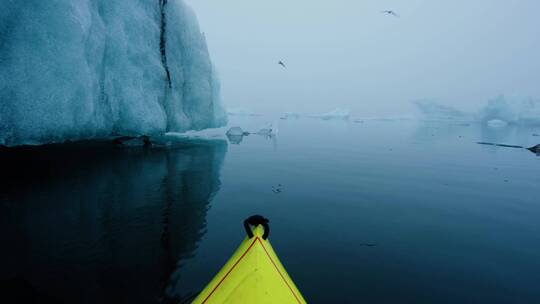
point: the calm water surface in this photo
(447, 220)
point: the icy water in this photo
(373, 212)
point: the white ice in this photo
(206, 134)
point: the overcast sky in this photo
(345, 53)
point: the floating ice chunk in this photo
(497, 123)
(236, 131)
(236, 134)
(288, 115)
(335, 114)
(206, 134)
(264, 131)
(270, 130)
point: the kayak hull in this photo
(253, 274)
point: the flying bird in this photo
(282, 64)
(389, 12)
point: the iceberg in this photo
(432, 110)
(81, 69)
(498, 111)
(288, 115)
(266, 132)
(236, 134)
(512, 110)
(236, 131)
(335, 114)
(497, 123)
(270, 130)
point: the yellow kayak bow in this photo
(253, 274)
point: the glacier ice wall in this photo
(75, 69)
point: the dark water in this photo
(446, 220)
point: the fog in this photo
(346, 53)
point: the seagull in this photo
(389, 12)
(282, 64)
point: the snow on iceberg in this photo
(335, 114)
(91, 68)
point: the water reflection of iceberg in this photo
(437, 131)
(453, 135)
(235, 139)
(90, 223)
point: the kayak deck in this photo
(253, 274)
